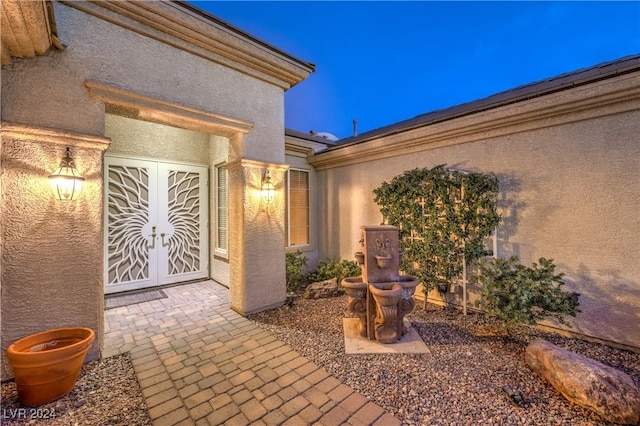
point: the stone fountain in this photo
(380, 297)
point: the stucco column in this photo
(256, 237)
(51, 251)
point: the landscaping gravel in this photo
(106, 393)
(461, 380)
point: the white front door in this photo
(155, 223)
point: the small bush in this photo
(333, 268)
(518, 294)
(296, 262)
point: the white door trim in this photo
(157, 245)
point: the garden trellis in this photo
(444, 216)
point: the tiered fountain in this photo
(380, 297)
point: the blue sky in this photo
(382, 62)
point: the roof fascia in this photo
(297, 147)
(202, 35)
(606, 97)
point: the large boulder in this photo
(322, 289)
(609, 392)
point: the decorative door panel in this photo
(183, 194)
(155, 223)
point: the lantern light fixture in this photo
(66, 182)
(268, 190)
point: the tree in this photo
(443, 216)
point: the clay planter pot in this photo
(46, 365)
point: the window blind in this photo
(221, 209)
(298, 207)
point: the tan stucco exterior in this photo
(164, 81)
(297, 151)
(163, 64)
(569, 172)
(51, 269)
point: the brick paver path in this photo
(198, 362)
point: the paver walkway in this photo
(199, 362)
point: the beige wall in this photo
(51, 262)
(141, 139)
(51, 92)
(296, 151)
(570, 191)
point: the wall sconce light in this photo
(268, 190)
(66, 183)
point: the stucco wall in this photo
(51, 262)
(264, 251)
(50, 92)
(55, 96)
(569, 192)
(141, 139)
(219, 261)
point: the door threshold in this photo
(157, 287)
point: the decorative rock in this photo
(609, 392)
(323, 289)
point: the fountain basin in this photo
(380, 297)
(386, 307)
(356, 291)
(354, 286)
(383, 261)
(46, 364)
(408, 285)
(386, 294)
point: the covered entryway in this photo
(156, 216)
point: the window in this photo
(298, 207)
(222, 222)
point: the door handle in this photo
(163, 243)
(153, 238)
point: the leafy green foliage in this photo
(338, 269)
(295, 262)
(443, 215)
(517, 294)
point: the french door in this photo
(155, 223)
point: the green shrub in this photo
(518, 294)
(296, 262)
(333, 268)
(444, 217)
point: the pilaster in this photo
(256, 237)
(51, 251)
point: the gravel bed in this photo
(459, 382)
(106, 393)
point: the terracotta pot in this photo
(46, 364)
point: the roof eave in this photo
(190, 29)
(522, 93)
